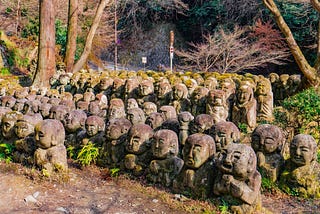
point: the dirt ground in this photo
(92, 190)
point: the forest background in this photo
(247, 37)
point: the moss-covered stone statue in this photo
(197, 174)
(51, 154)
(302, 171)
(138, 155)
(267, 142)
(238, 180)
(225, 133)
(166, 165)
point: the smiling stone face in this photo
(303, 150)
(238, 160)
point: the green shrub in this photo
(6, 152)
(88, 154)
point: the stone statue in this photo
(198, 100)
(131, 103)
(210, 83)
(44, 110)
(116, 109)
(185, 118)
(25, 145)
(225, 133)
(229, 87)
(245, 107)
(146, 92)
(217, 105)
(131, 89)
(136, 116)
(202, 124)
(166, 165)
(58, 112)
(267, 142)
(197, 174)
(113, 149)
(155, 120)
(264, 100)
(8, 101)
(19, 104)
(94, 132)
(94, 109)
(7, 127)
(237, 177)
(164, 94)
(118, 88)
(180, 98)
(74, 124)
(149, 107)
(168, 112)
(138, 155)
(51, 154)
(302, 171)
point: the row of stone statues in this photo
(184, 150)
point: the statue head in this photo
(224, 133)
(303, 150)
(117, 128)
(180, 91)
(155, 120)
(169, 112)
(94, 124)
(49, 133)
(238, 160)
(75, 120)
(146, 87)
(244, 94)
(139, 139)
(198, 149)
(25, 125)
(7, 124)
(202, 123)
(165, 144)
(267, 138)
(116, 109)
(136, 116)
(58, 112)
(149, 107)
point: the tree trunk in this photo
(87, 49)
(310, 73)
(46, 55)
(72, 34)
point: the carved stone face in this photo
(197, 150)
(146, 88)
(266, 138)
(136, 116)
(263, 87)
(149, 107)
(23, 129)
(93, 125)
(105, 83)
(132, 103)
(139, 137)
(117, 127)
(244, 94)
(7, 124)
(224, 134)
(168, 112)
(165, 144)
(58, 112)
(180, 91)
(75, 120)
(202, 122)
(155, 120)
(164, 89)
(199, 94)
(49, 133)
(303, 150)
(238, 160)
(116, 109)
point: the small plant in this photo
(5, 71)
(114, 172)
(243, 127)
(71, 152)
(224, 207)
(88, 154)
(6, 152)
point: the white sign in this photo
(144, 60)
